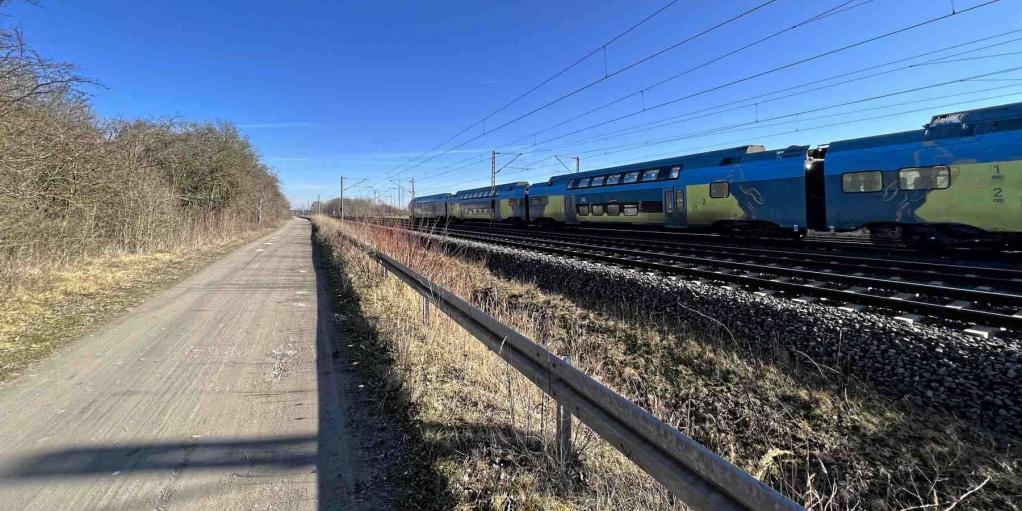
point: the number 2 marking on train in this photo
(998, 191)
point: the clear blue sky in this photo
(326, 89)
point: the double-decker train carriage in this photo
(429, 207)
(743, 188)
(957, 181)
(501, 203)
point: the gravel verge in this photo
(927, 365)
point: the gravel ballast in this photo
(928, 365)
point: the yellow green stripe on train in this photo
(956, 181)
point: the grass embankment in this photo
(53, 305)
(485, 435)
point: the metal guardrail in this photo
(693, 473)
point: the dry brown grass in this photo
(483, 434)
(53, 305)
(825, 440)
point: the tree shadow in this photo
(252, 454)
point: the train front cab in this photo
(957, 182)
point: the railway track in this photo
(983, 300)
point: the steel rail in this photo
(699, 477)
(924, 269)
(976, 295)
(654, 237)
(640, 259)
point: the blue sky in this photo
(360, 89)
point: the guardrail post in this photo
(564, 429)
(425, 309)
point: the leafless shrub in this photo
(74, 186)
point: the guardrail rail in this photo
(696, 475)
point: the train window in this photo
(924, 178)
(651, 206)
(613, 209)
(613, 179)
(534, 201)
(650, 175)
(861, 182)
(631, 209)
(583, 183)
(582, 209)
(675, 172)
(597, 181)
(631, 177)
(720, 190)
(597, 209)
(572, 183)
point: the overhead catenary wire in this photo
(691, 116)
(760, 74)
(802, 113)
(794, 118)
(748, 101)
(844, 6)
(709, 112)
(734, 142)
(607, 76)
(774, 69)
(753, 125)
(602, 47)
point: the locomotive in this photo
(957, 182)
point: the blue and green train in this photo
(957, 181)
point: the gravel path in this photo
(219, 393)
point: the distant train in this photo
(956, 182)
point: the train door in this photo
(569, 210)
(494, 210)
(674, 207)
(816, 196)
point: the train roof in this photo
(988, 114)
(430, 198)
(505, 187)
(955, 124)
(715, 158)
(904, 137)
